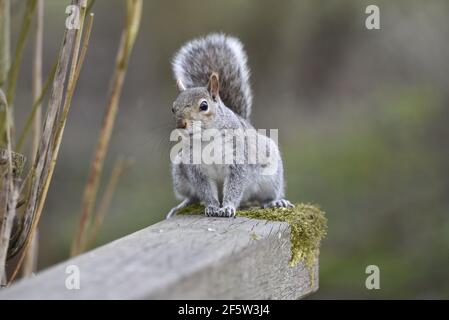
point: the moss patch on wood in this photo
(307, 222)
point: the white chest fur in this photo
(216, 172)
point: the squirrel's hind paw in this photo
(280, 203)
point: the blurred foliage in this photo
(385, 190)
(362, 117)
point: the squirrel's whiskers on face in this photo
(196, 104)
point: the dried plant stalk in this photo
(59, 128)
(134, 11)
(41, 165)
(15, 67)
(5, 58)
(7, 219)
(5, 41)
(48, 81)
(74, 73)
(30, 262)
(18, 53)
(37, 76)
(9, 196)
(30, 119)
(119, 168)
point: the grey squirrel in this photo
(213, 81)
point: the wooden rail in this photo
(186, 257)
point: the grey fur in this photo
(196, 60)
(222, 188)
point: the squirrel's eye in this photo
(203, 106)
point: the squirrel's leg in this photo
(233, 188)
(210, 198)
(205, 190)
(182, 188)
(276, 184)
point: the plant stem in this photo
(34, 109)
(30, 262)
(5, 56)
(10, 194)
(37, 76)
(38, 101)
(59, 126)
(13, 72)
(89, 6)
(18, 53)
(40, 168)
(5, 41)
(134, 10)
(119, 168)
(6, 223)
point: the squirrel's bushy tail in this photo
(194, 63)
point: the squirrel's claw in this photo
(211, 211)
(228, 212)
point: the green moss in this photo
(307, 222)
(192, 209)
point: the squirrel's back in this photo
(194, 63)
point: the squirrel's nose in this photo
(181, 124)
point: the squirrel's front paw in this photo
(212, 211)
(227, 211)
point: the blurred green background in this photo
(362, 118)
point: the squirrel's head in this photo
(196, 104)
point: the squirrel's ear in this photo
(181, 87)
(214, 86)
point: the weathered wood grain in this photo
(186, 257)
